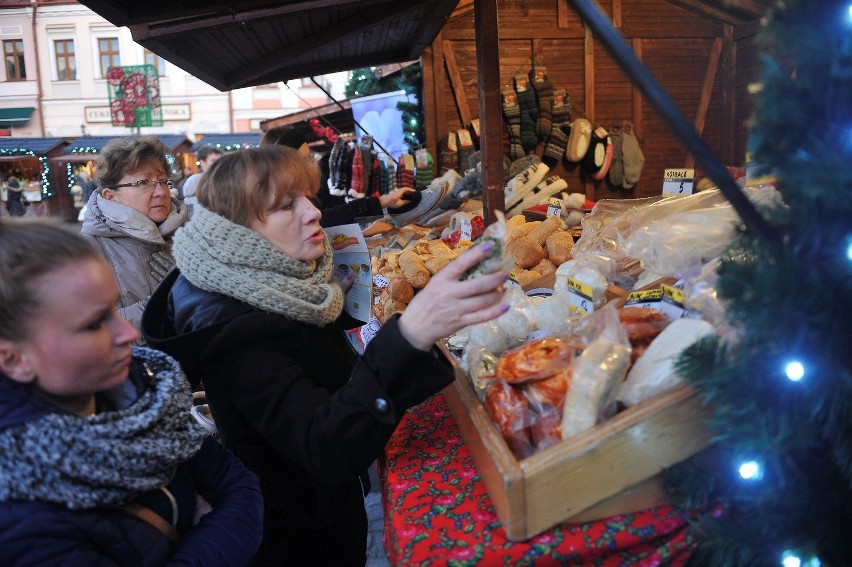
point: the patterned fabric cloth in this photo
(436, 506)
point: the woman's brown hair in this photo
(245, 184)
(30, 249)
(123, 155)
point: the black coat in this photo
(298, 407)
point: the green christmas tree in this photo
(778, 484)
(363, 82)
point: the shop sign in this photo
(170, 112)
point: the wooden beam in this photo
(616, 14)
(456, 83)
(589, 64)
(636, 99)
(562, 11)
(429, 109)
(439, 78)
(490, 107)
(706, 94)
(463, 8)
(729, 96)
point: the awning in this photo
(93, 144)
(19, 146)
(231, 44)
(227, 142)
(15, 116)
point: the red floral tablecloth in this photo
(437, 511)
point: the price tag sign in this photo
(464, 138)
(452, 142)
(678, 181)
(554, 207)
(421, 158)
(380, 281)
(650, 298)
(466, 228)
(475, 124)
(408, 160)
(579, 297)
(672, 302)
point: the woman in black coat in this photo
(15, 197)
(255, 316)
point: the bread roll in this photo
(559, 247)
(526, 252)
(413, 268)
(400, 290)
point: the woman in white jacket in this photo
(131, 217)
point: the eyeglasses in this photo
(147, 184)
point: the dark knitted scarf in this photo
(111, 457)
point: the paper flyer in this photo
(350, 249)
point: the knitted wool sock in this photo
(344, 168)
(375, 178)
(529, 113)
(449, 156)
(423, 175)
(392, 186)
(333, 172)
(384, 177)
(356, 186)
(616, 169)
(634, 160)
(404, 176)
(556, 144)
(544, 94)
(512, 113)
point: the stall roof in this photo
(93, 144)
(227, 142)
(234, 44)
(40, 146)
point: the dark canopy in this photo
(251, 42)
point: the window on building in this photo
(158, 62)
(13, 52)
(66, 61)
(108, 54)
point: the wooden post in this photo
(490, 107)
(706, 93)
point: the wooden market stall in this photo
(30, 159)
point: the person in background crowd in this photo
(100, 461)
(335, 211)
(131, 218)
(86, 184)
(15, 197)
(207, 156)
(254, 315)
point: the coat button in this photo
(381, 405)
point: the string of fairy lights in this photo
(46, 189)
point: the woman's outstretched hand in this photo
(395, 198)
(448, 304)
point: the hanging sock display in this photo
(544, 94)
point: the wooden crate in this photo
(612, 468)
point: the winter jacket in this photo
(129, 241)
(36, 533)
(298, 407)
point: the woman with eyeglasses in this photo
(132, 216)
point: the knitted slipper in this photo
(634, 160)
(540, 194)
(429, 199)
(616, 168)
(578, 141)
(518, 187)
(595, 156)
(607, 158)
(521, 164)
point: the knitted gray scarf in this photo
(218, 255)
(111, 457)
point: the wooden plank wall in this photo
(675, 44)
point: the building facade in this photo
(56, 54)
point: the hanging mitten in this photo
(634, 160)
